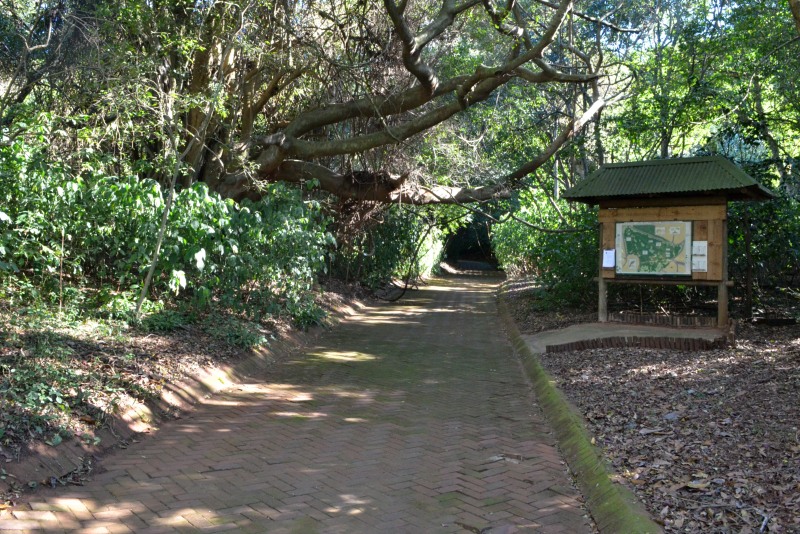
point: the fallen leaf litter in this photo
(708, 440)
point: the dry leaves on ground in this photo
(100, 370)
(709, 441)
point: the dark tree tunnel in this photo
(470, 248)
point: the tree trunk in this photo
(763, 129)
(794, 5)
(748, 299)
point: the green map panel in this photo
(654, 248)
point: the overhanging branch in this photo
(573, 127)
(602, 21)
(383, 187)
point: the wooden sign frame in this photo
(709, 229)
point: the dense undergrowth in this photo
(84, 241)
(75, 247)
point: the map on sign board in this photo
(654, 248)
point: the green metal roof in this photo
(679, 177)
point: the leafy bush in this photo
(164, 321)
(774, 229)
(61, 232)
(245, 334)
(564, 262)
(400, 242)
(257, 257)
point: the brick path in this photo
(413, 417)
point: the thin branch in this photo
(552, 230)
(510, 216)
(601, 21)
(566, 134)
(411, 51)
(443, 20)
(516, 31)
(44, 45)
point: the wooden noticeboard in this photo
(705, 218)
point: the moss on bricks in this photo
(613, 507)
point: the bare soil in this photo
(709, 441)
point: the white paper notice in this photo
(699, 264)
(699, 248)
(609, 259)
(700, 256)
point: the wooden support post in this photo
(722, 289)
(602, 287)
(602, 299)
(722, 305)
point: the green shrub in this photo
(257, 257)
(164, 321)
(401, 241)
(60, 232)
(564, 262)
(244, 334)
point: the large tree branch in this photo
(298, 148)
(413, 45)
(573, 127)
(372, 106)
(383, 106)
(469, 90)
(382, 187)
(289, 155)
(443, 20)
(316, 149)
(411, 52)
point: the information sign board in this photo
(662, 248)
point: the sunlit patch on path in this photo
(412, 417)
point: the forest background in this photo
(174, 163)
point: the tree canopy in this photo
(334, 93)
(498, 104)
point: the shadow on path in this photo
(410, 417)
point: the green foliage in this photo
(429, 254)
(164, 321)
(40, 385)
(61, 233)
(774, 234)
(232, 330)
(564, 262)
(258, 257)
(405, 242)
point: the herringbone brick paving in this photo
(413, 417)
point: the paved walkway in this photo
(413, 417)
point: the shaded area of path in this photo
(414, 417)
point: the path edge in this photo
(613, 507)
(40, 463)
